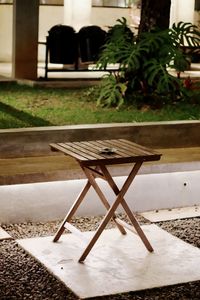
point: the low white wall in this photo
(50, 201)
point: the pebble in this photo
(24, 278)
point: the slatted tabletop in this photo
(114, 151)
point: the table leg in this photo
(72, 211)
(111, 211)
(92, 181)
(127, 209)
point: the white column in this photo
(25, 39)
(182, 10)
(68, 12)
(77, 13)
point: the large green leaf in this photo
(112, 92)
(185, 34)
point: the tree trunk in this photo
(154, 14)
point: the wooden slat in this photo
(139, 149)
(66, 151)
(123, 149)
(95, 146)
(103, 144)
(85, 150)
(131, 149)
(90, 146)
(147, 150)
(127, 148)
(79, 154)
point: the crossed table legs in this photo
(91, 174)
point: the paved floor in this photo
(23, 277)
(4, 234)
(55, 79)
(72, 78)
(114, 265)
(172, 214)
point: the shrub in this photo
(145, 62)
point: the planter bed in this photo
(25, 155)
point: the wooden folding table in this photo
(94, 157)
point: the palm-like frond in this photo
(158, 77)
(155, 40)
(185, 34)
(112, 92)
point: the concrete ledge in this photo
(60, 83)
(54, 168)
(25, 155)
(27, 142)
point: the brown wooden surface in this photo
(90, 152)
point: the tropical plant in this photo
(145, 62)
(113, 91)
(186, 37)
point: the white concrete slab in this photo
(4, 235)
(172, 214)
(117, 263)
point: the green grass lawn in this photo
(23, 106)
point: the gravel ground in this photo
(22, 277)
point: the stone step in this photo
(61, 167)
